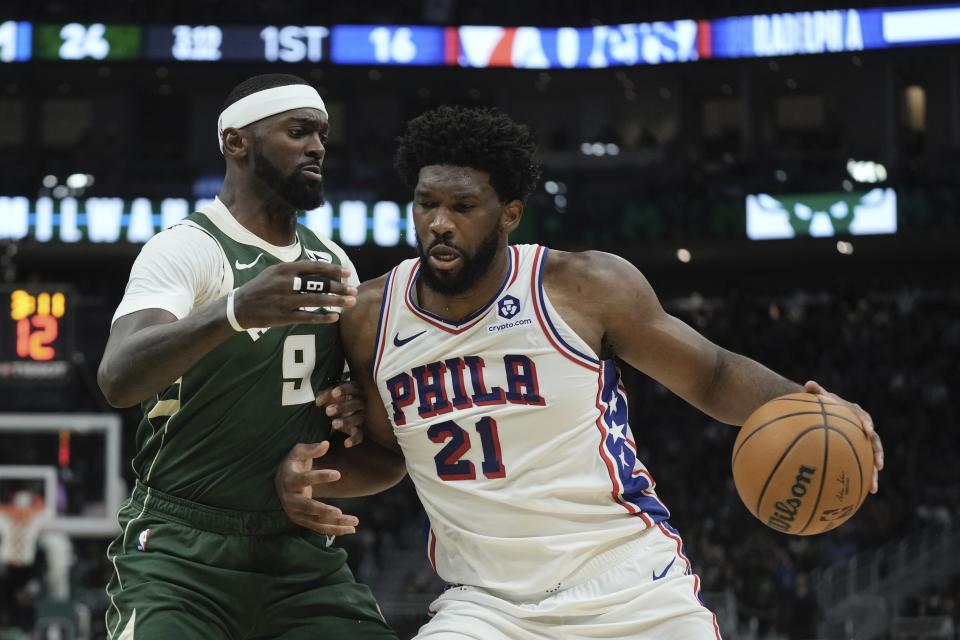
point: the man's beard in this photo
(295, 189)
(472, 269)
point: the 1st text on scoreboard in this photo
(290, 43)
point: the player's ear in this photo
(235, 144)
(510, 215)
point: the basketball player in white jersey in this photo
(492, 369)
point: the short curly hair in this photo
(481, 138)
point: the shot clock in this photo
(36, 335)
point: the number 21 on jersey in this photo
(449, 460)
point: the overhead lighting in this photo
(846, 248)
(78, 180)
(49, 181)
(866, 171)
(683, 255)
(599, 149)
(550, 187)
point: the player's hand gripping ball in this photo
(802, 464)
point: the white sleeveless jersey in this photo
(514, 433)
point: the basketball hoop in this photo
(20, 525)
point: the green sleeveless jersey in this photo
(217, 435)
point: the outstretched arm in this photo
(634, 325)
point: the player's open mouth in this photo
(444, 258)
(312, 172)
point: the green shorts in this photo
(186, 571)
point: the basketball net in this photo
(20, 525)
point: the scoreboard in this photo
(96, 41)
(290, 43)
(600, 46)
(388, 45)
(343, 44)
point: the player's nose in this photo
(315, 148)
(441, 221)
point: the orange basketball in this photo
(802, 464)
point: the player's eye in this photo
(295, 133)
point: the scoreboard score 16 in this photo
(36, 333)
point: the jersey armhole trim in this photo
(379, 344)
(543, 317)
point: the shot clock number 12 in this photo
(37, 317)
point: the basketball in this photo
(802, 464)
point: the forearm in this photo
(739, 385)
(151, 359)
(364, 469)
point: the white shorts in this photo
(649, 592)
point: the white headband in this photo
(268, 102)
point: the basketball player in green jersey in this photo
(229, 360)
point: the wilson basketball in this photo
(802, 464)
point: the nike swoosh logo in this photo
(399, 342)
(319, 256)
(664, 572)
(240, 266)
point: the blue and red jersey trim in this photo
(543, 317)
(380, 341)
(458, 327)
(674, 535)
(632, 485)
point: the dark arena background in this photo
(786, 174)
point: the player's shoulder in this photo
(185, 239)
(359, 322)
(369, 297)
(585, 270)
(370, 294)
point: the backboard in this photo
(73, 460)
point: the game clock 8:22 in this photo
(36, 334)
